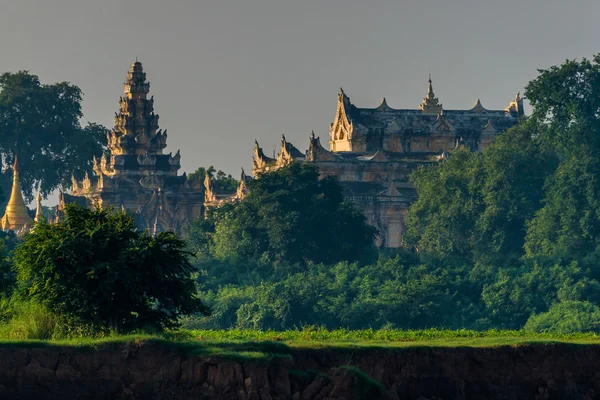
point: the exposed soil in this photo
(157, 371)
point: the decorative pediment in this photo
(316, 152)
(209, 195)
(158, 214)
(176, 159)
(391, 191)
(96, 166)
(86, 185)
(489, 128)
(342, 127)
(242, 189)
(105, 167)
(516, 106)
(383, 106)
(380, 157)
(478, 108)
(146, 160)
(259, 160)
(442, 123)
(288, 153)
(74, 184)
(151, 182)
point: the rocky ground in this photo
(138, 370)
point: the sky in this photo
(224, 72)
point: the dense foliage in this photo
(40, 123)
(221, 181)
(288, 216)
(504, 239)
(96, 268)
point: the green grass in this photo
(391, 337)
(265, 345)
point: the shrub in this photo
(566, 317)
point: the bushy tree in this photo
(443, 219)
(40, 123)
(98, 269)
(567, 99)
(288, 216)
(516, 167)
(476, 206)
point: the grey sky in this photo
(226, 72)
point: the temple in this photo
(372, 151)
(135, 175)
(16, 217)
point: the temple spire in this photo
(38, 210)
(430, 104)
(16, 216)
(430, 94)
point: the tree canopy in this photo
(98, 269)
(288, 215)
(476, 206)
(40, 123)
(221, 181)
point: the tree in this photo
(39, 123)
(516, 167)
(222, 182)
(566, 99)
(292, 216)
(98, 269)
(476, 206)
(442, 221)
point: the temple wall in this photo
(386, 213)
(369, 171)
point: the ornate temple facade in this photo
(373, 151)
(135, 174)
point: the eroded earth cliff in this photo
(157, 370)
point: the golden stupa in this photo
(16, 218)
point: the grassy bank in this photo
(318, 337)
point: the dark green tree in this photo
(292, 216)
(40, 123)
(476, 207)
(566, 99)
(96, 268)
(443, 219)
(222, 182)
(516, 167)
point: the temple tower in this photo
(135, 175)
(136, 143)
(16, 217)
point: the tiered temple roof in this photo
(135, 175)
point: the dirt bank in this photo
(154, 370)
